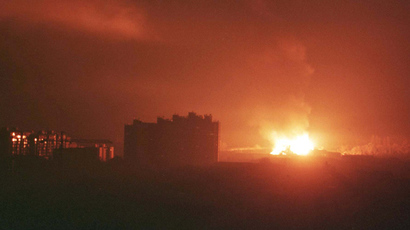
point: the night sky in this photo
(338, 70)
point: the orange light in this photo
(13, 134)
(299, 145)
(24, 136)
(14, 139)
(18, 136)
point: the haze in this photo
(339, 71)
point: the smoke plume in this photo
(285, 114)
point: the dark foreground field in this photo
(298, 193)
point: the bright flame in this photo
(300, 145)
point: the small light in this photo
(35, 139)
(14, 139)
(18, 136)
(24, 136)
(14, 134)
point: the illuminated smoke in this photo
(286, 114)
(118, 19)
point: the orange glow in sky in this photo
(337, 71)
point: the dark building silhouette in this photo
(14, 142)
(43, 143)
(105, 147)
(77, 157)
(182, 140)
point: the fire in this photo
(299, 145)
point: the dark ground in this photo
(297, 193)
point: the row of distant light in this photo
(19, 137)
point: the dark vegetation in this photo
(297, 193)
